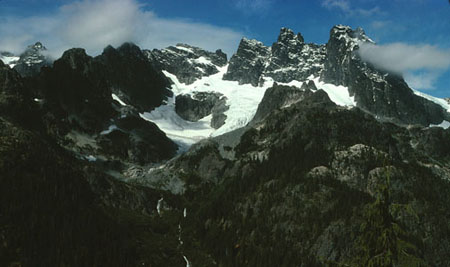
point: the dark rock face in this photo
(187, 62)
(75, 93)
(15, 98)
(290, 58)
(384, 94)
(247, 65)
(136, 140)
(277, 97)
(127, 70)
(200, 105)
(32, 60)
(218, 116)
(75, 97)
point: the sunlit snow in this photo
(243, 101)
(445, 124)
(337, 93)
(115, 97)
(109, 130)
(442, 102)
(201, 60)
(184, 49)
(158, 205)
(9, 60)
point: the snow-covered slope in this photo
(337, 93)
(442, 102)
(9, 59)
(243, 102)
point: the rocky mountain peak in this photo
(76, 58)
(129, 48)
(187, 62)
(32, 60)
(383, 94)
(247, 65)
(221, 55)
(348, 37)
(288, 59)
(37, 47)
(287, 35)
(252, 46)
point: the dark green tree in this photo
(382, 241)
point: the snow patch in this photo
(9, 60)
(200, 60)
(188, 264)
(442, 102)
(184, 49)
(115, 97)
(109, 130)
(444, 124)
(159, 205)
(91, 158)
(337, 93)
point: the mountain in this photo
(290, 59)
(187, 62)
(294, 154)
(29, 62)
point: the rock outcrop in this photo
(200, 105)
(384, 94)
(187, 62)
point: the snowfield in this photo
(243, 101)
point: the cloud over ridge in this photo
(421, 65)
(94, 24)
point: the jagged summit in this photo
(351, 37)
(37, 46)
(32, 60)
(287, 35)
(383, 94)
(286, 60)
(334, 67)
(188, 63)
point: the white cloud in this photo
(400, 57)
(349, 10)
(94, 24)
(421, 65)
(422, 81)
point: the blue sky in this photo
(409, 28)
